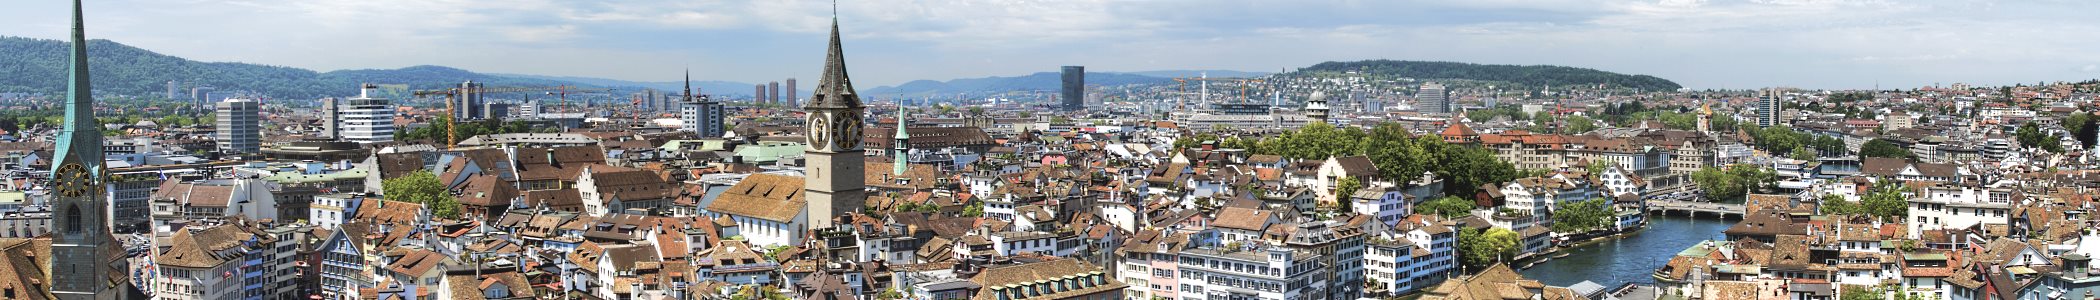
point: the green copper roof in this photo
(80, 127)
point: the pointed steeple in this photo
(80, 127)
(834, 89)
(902, 144)
(688, 85)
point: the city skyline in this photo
(1701, 44)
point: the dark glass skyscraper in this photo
(1074, 88)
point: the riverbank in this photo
(1628, 257)
(1547, 256)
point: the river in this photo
(1629, 259)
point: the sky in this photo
(1719, 44)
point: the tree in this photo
(1464, 169)
(2088, 130)
(1582, 216)
(1730, 183)
(1578, 125)
(1480, 249)
(1447, 207)
(1803, 154)
(1883, 148)
(929, 208)
(1399, 155)
(2031, 136)
(1344, 188)
(1860, 292)
(1886, 201)
(890, 293)
(975, 209)
(422, 187)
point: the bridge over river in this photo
(1695, 209)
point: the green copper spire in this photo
(80, 128)
(902, 144)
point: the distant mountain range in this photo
(39, 66)
(710, 87)
(1043, 81)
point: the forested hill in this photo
(1525, 75)
(39, 66)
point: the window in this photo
(73, 219)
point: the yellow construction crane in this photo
(452, 96)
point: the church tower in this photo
(80, 212)
(901, 145)
(834, 184)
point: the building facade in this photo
(365, 119)
(1073, 91)
(240, 126)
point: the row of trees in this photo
(1731, 183)
(1884, 148)
(1399, 155)
(1783, 140)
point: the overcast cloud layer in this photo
(1699, 43)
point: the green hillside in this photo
(1524, 75)
(39, 65)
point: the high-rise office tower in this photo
(1768, 108)
(1431, 98)
(469, 104)
(240, 126)
(701, 115)
(367, 118)
(174, 90)
(758, 94)
(1074, 96)
(331, 127)
(773, 92)
(791, 99)
(79, 264)
(836, 177)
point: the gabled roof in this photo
(771, 197)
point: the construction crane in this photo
(452, 96)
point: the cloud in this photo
(1702, 43)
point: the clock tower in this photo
(80, 212)
(834, 183)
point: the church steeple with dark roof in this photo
(834, 89)
(835, 171)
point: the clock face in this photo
(818, 131)
(849, 137)
(72, 180)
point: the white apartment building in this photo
(365, 119)
(1960, 207)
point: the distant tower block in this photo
(1074, 89)
(758, 94)
(773, 91)
(791, 93)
